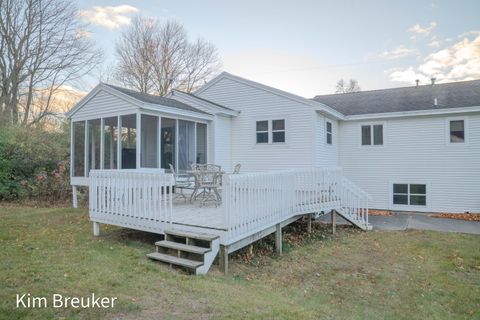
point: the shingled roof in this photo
(149, 98)
(447, 95)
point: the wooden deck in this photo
(196, 215)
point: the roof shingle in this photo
(448, 95)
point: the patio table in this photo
(207, 179)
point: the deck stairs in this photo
(189, 250)
(353, 219)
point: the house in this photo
(409, 149)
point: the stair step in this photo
(192, 235)
(182, 247)
(191, 264)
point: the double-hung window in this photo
(270, 131)
(410, 194)
(372, 134)
(329, 132)
(262, 131)
(457, 131)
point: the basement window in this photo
(410, 194)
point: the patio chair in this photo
(236, 169)
(182, 181)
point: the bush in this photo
(34, 164)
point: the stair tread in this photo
(192, 235)
(182, 247)
(175, 260)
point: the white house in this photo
(415, 148)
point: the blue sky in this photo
(304, 47)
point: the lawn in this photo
(354, 275)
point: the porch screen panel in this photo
(186, 145)
(201, 143)
(94, 128)
(149, 150)
(167, 145)
(78, 149)
(110, 142)
(129, 141)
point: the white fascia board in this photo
(210, 106)
(415, 113)
(318, 106)
(175, 111)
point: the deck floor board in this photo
(193, 214)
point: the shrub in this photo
(34, 164)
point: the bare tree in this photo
(44, 47)
(351, 86)
(156, 58)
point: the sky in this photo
(305, 47)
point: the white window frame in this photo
(327, 133)
(270, 131)
(465, 131)
(273, 131)
(371, 124)
(410, 207)
(262, 131)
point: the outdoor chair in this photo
(182, 181)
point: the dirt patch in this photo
(459, 216)
(385, 213)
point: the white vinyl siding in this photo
(104, 104)
(416, 152)
(326, 155)
(254, 105)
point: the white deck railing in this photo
(252, 202)
(136, 199)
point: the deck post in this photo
(74, 197)
(309, 223)
(223, 255)
(96, 229)
(333, 221)
(278, 238)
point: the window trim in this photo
(372, 124)
(327, 133)
(262, 131)
(270, 131)
(410, 207)
(465, 131)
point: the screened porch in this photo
(136, 141)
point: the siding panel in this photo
(416, 150)
(104, 104)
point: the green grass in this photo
(353, 275)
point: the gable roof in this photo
(447, 95)
(202, 99)
(153, 99)
(316, 105)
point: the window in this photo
(410, 194)
(262, 131)
(457, 131)
(149, 154)
(128, 136)
(78, 149)
(110, 127)
(329, 132)
(278, 131)
(376, 138)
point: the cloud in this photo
(399, 52)
(109, 17)
(418, 30)
(459, 62)
(434, 42)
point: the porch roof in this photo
(158, 100)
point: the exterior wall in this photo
(104, 104)
(254, 105)
(326, 155)
(415, 150)
(222, 142)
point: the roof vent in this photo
(417, 81)
(433, 81)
